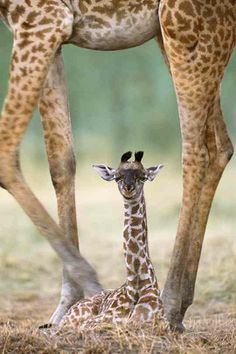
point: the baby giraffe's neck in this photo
(140, 271)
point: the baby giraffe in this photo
(138, 300)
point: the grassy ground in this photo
(30, 271)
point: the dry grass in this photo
(216, 334)
(30, 271)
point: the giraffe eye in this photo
(143, 179)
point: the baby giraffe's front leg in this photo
(149, 309)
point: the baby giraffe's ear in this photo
(153, 171)
(105, 172)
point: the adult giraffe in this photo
(196, 37)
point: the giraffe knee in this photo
(9, 169)
(225, 154)
(62, 169)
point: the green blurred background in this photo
(119, 101)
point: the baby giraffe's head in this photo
(130, 175)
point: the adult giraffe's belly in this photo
(114, 24)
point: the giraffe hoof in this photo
(177, 327)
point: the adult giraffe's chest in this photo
(114, 24)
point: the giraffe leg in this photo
(220, 150)
(29, 68)
(58, 137)
(197, 62)
(204, 161)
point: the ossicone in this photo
(125, 157)
(138, 156)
